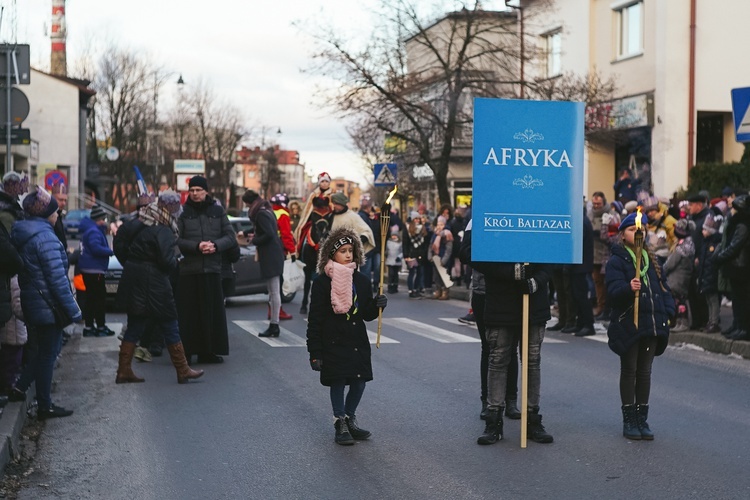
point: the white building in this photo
(674, 78)
(57, 122)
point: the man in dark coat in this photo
(698, 210)
(270, 253)
(580, 286)
(626, 188)
(506, 284)
(205, 233)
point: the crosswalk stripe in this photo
(373, 336)
(285, 339)
(428, 331)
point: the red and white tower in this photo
(58, 60)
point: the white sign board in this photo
(190, 166)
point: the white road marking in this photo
(285, 339)
(428, 331)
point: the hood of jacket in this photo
(324, 254)
(24, 230)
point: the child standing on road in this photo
(394, 256)
(636, 346)
(337, 339)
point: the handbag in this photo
(61, 318)
(294, 277)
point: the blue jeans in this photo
(42, 348)
(137, 326)
(342, 408)
(414, 281)
(371, 269)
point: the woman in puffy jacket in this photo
(636, 346)
(47, 301)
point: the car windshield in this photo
(77, 214)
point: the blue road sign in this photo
(386, 174)
(741, 113)
(528, 181)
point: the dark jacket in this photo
(145, 289)
(375, 228)
(656, 305)
(204, 221)
(10, 264)
(708, 273)
(504, 294)
(697, 235)
(95, 249)
(60, 230)
(416, 246)
(341, 342)
(587, 263)
(267, 242)
(735, 257)
(44, 275)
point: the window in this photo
(553, 42)
(629, 30)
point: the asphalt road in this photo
(260, 425)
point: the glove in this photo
(528, 286)
(519, 272)
(316, 364)
(381, 301)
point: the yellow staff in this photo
(385, 223)
(638, 242)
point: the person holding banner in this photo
(637, 340)
(505, 286)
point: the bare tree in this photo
(415, 77)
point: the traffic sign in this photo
(17, 135)
(386, 174)
(741, 113)
(19, 106)
(54, 177)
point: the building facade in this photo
(674, 62)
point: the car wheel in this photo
(287, 298)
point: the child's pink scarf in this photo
(341, 285)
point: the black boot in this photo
(493, 431)
(641, 414)
(534, 428)
(343, 437)
(272, 331)
(356, 431)
(483, 413)
(630, 423)
(511, 409)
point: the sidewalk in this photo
(712, 342)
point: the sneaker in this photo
(53, 411)
(142, 354)
(89, 331)
(469, 319)
(104, 331)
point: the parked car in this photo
(247, 278)
(72, 221)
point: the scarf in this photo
(152, 214)
(644, 262)
(343, 293)
(257, 207)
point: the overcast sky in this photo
(247, 50)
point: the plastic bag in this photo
(294, 277)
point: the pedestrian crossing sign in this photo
(386, 174)
(741, 113)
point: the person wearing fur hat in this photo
(204, 235)
(323, 190)
(678, 270)
(337, 339)
(93, 264)
(734, 260)
(145, 245)
(636, 346)
(46, 298)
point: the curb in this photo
(11, 424)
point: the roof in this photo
(83, 85)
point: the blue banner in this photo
(528, 181)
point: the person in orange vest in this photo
(279, 203)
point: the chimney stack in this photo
(58, 60)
